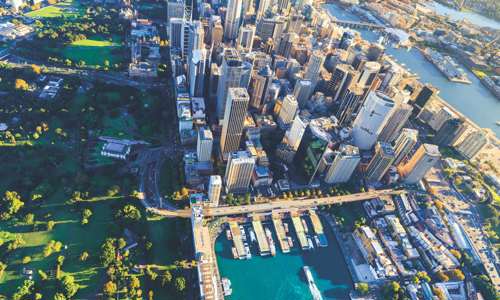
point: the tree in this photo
(59, 296)
(166, 278)
(26, 260)
(180, 283)
(50, 225)
(129, 214)
(36, 69)
(108, 251)
(68, 286)
(29, 219)
(24, 290)
(439, 293)
(21, 84)
(484, 285)
(456, 253)
(109, 288)
(84, 256)
(442, 276)
(422, 275)
(362, 288)
(11, 203)
(3, 267)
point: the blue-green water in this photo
(473, 100)
(281, 277)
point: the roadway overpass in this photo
(295, 204)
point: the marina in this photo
(300, 231)
(320, 237)
(262, 240)
(281, 234)
(238, 249)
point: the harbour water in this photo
(471, 16)
(281, 277)
(473, 100)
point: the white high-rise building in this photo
(404, 144)
(288, 110)
(232, 70)
(234, 118)
(439, 118)
(175, 9)
(263, 6)
(420, 163)
(214, 190)
(195, 39)
(233, 19)
(296, 132)
(472, 143)
(197, 67)
(380, 162)
(345, 161)
(204, 144)
(302, 91)
(245, 38)
(314, 66)
(239, 172)
(372, 117)
(395, 123)
(368, 73)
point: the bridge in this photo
(288, 205)
(355, 25)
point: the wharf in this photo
(261, 238)
(318, 228)
(299, 229)
(280, 232)
(238, 242)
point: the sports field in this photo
(67, 8)
(94, 51)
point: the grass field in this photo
(68, 9)
(94, 51)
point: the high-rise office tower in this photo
(279, 30)
(439, 118)
(213, 83)
(265, 28)
(368, 73)
(284, 7)
(245, 38)
(214, 190)
(472, 143)
(286, 43)
(204, 144)
(302, 91)
(359, 61)
(391, 77)
(175, 9)
(263, 6)
(239, 171)
(404, 144)
(314, 66)
(372, 117)
(375, 52)
(346, 40)
(196, 36)
(345, 160)
(296, 132)
(288, 110)
(176, 27)
(381, 162)
(197, 67)
(217, 32)
(233, 19)
(341, 79)
(395, 123)
(231, 73)
(420, 163)
(451, 130)
(234, 118)
(425, 94)
(259, 86)
(350, 103)
(295, 23)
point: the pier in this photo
(356, 25)
(238, 242)
(318, 228)
(261, 238)
(299, 229)
(280, 232)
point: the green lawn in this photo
(67, 8)
(94, 51)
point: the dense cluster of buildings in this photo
(144, 49)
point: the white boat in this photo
(228, 235)
(252, 236)
(312, 286)
(226, 286)
(235, 254)
(290, 241)
(247, 252)
(286, 224)
(306, 229)
(316, 239)
(270, 241)
(310, 242)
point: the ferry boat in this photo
(247, 252)
(270, 241)
(286, 224)
(290, 241)
(228, 235)
(316, 294)
(310, 242)
(447, 66)
(235, 254)
(243, 234)
(316, 239)
(252, 236)
(498, 123)
(306, 229)
(226, 286)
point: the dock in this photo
(299, 229)
(280, 232)
(261, 238)
(318, 229)
(238, 242)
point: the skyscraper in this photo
(197, 67)
(239, 172)
(296, 132)
(472, 143)
(284, 7)
(420, 163)
(259, 86)
(204, 144)
(233, 19)
(231, 72)
(372, 117)
(314, 66)
(175, 9)
(380, 162)
(345, 161)
(346, 40)
(214, 190)
(404, 144)
(263, 6)
(395, 123)
(175, 33)
(350, 102)
(196, 36)
(341, 80)
(368, 73)
(425, 94)
(234, 117)
(451, 130)
(288, 110)
(286, 43)
(245, 38)
(302, 91)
